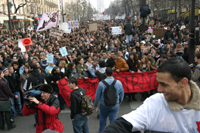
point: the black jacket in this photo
(36, 78)
(110, 62)
(76, 101)
(128, 28)
(55, 77)
(168, 34)
(120, 125)
(14, 82)
(132, 65)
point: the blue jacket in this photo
(100, 91)
(92, 70)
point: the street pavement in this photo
(25, 123)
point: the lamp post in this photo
(192, 31)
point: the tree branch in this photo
(19, 6)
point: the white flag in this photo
(48, 20)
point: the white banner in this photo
(116, 30)
(120, 17)
(64, 27)
(48, 20)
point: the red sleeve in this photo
(51, 110)
(26, 111)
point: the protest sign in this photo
(63, 51)
(57, 33)
(50, 58)
(150, 30)
(159, 32)
(116, 30)
(73, 24)
(132, 82)
(64, 27)
(93, 27)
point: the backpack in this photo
(87, 106)
(110, 97)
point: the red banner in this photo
(137, 82)
(132, 82)
(89, 85)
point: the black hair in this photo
(16, 62)
(102, 63)
(176, 67)
(72, 80)
(109, 71)
(33, 66)
(70, 65)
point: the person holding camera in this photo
(47, 108)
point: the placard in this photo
(57, 33)
(93, 27)
(50, 58)
(63, 51)
(159, 32)
(116, 30)
(64, 27)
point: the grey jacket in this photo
(196, 75)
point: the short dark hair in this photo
(177, 67)
(33, 66)
(16, 62)
(116, 53)
(109, 71)
(72, 80)
(102, 63)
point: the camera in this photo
(33, 92)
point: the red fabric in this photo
(89, 85)
(26, 42)
(52, 121)
(132, 82)
(37, 18)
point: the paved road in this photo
(25, 123)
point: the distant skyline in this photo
(106, 3)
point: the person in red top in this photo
(47, 109)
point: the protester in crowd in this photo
(82, 69)
(120, 64)
(162, 58)
(105, 110)
(43, 61)
(111, 61)
(72, 71)
(178, 99)
(47, 110)
(24, 76)
(128, 31)
(168, 34)
(93, 67)
(196, 73)
(14, 84)
(5, 105)
(63, 66)
(53, 80)
(79, 122)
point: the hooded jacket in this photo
(14, 82)
(36, 78)
(47, 115)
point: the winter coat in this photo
(196, 75)
(47, 115)
(80, 70)
(168, 34)
(121, 65)
(23, 78)
(55, 77)
(128, 28)
(36, 78)
(14, 82)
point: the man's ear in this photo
(183, 82)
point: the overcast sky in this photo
(106, 3)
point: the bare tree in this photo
(19, 6)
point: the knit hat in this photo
(4, 69)
(46, 88)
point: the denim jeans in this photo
(80, 124)
(106, 111)
(18, 102)
(129, 38)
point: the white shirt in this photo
(155, 115)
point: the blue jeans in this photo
(129, 38)
(80, 124)
(106, 111)
(18, 102)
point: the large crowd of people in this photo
(89, 54)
